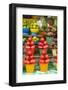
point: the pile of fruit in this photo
(42, 44)
(44, 58)
(29, 60)
(44, 61)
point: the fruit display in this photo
(42, 45)
(29, 60)
(39, 34)
(44, 60)
(29, 63)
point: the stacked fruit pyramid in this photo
(44, 58)
(29, 55)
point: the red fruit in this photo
(45, 46)
(43, 33)
(26, 61)
(40, 47)
(44, 52)
(45, 43)
(29, 52)
(31, 57)
(33, 47)
(27, 57)
(46, 56)
(27, 43)
(32, 61)
(41, 44)
(27, 47)
(42, 61)
(30, 38)
(42, 57)
(42, 40)
(32, 43)
(47, 61)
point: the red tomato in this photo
(42, 57)
(42, 40)
(47, 61)
(32, 43)
(43, 33)
(41, 44)
(40, 47)
(46, 56)
(45, 46)
(29, 52)
(27, 47)
(33, 47)
(27, 57)
(42, 61)
(31, 57)
(32, 61)
(30, 38)
(28, 43)
(45, 43)
(44, 52)
(27, 62)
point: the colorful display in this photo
(39, 34)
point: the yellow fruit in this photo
(34, 26)
(35, 38)
(34, 30)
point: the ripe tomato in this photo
(42, 57)
(31, 57)
(26, 61)
(29, 52)
(44, 52)
(42, 40)
(46, 56)
(47, 60)
(32, 61)
(42, 61)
